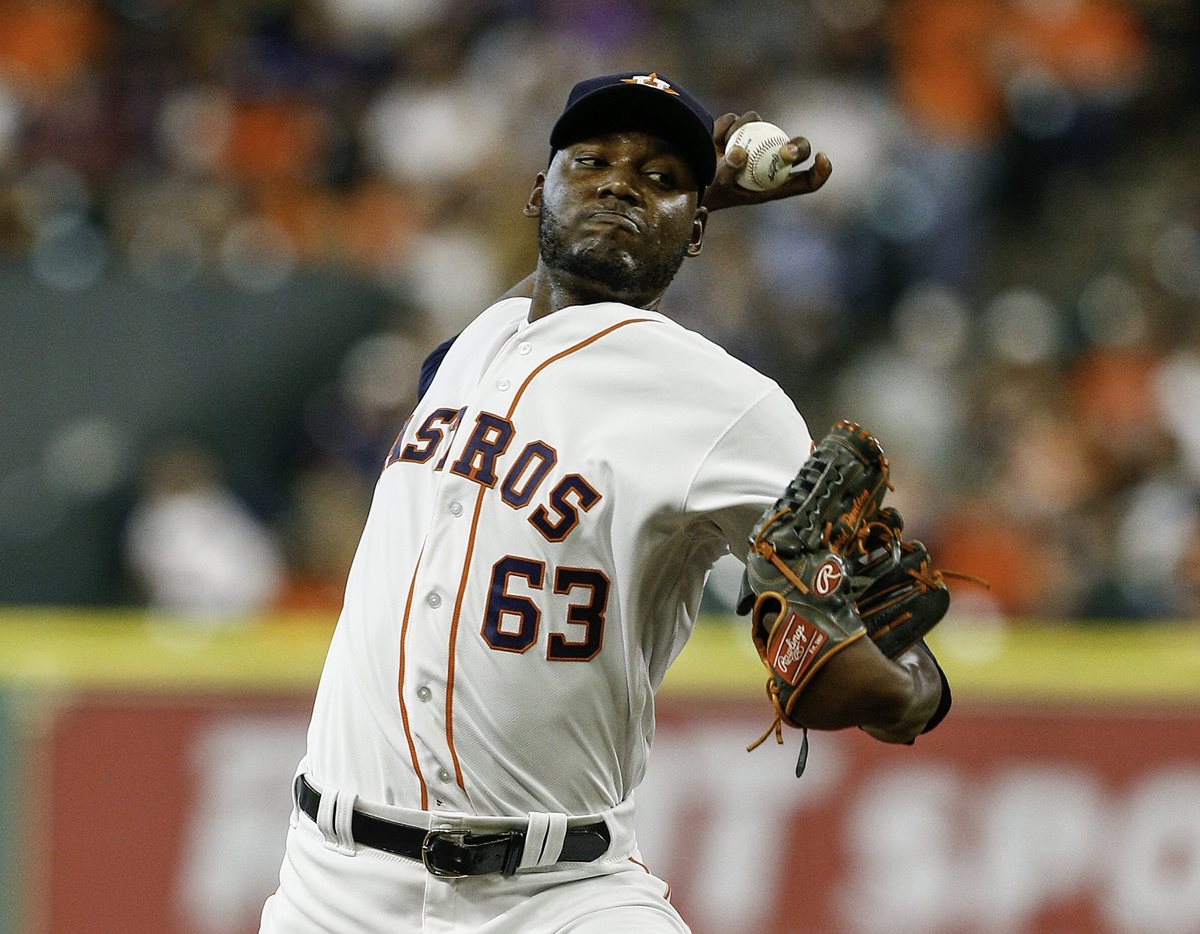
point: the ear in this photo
(533, 207)
(698, 224)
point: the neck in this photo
(552, 290)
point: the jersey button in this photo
(503, 384)
(424, 693)
(455, 508)
(445, 776)
(434, 599)
(524, 347)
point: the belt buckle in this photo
(455, 838)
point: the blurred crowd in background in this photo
(1001, 279)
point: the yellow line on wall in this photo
(67, 648)
(1013, 661)
(82, 648)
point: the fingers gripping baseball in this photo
(788, 181)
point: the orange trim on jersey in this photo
(563, 353)
(458, 600)
(412, 746)
(462, 583)
(646, 869)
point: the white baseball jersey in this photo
(534, 560)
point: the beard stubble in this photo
(622, 274)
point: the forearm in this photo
(913, 711)
(859, 687)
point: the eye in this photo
(590, 160)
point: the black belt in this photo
(456, 853)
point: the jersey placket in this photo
(437, 602)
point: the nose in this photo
(619, 182)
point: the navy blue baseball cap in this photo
(649, 102)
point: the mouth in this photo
(616, 219)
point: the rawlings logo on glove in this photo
(794, 645)
(828, 576)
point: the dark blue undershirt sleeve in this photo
(430, 367)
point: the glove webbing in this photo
(926, 578)
(861, 507)
(854, 519)
(858, 537)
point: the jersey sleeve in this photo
(748, 468)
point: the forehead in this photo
(634, 139)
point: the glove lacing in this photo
(776, 727)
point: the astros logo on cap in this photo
(651, 80)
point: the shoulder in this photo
(684, 386)
(660, 343)
(499, 319)
(693, 363)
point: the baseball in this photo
(765, 168)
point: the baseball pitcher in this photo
(536, 551)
